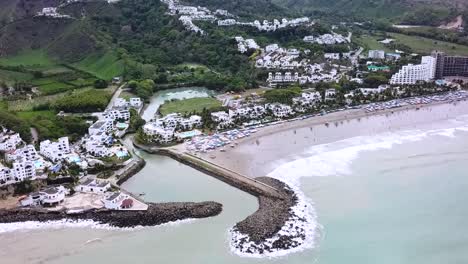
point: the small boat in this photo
(142, 194)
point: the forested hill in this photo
(396, 10)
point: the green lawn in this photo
(189, 105)
(126, 95)
(31, 115)
(55, 88)
(426, 46)
(83, 82)
(28, 58)
(371, 43)
(104, 66)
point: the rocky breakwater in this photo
(278, 226)
(157, 213)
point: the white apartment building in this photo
(23, 169)
(27, 152)
(159, 133)
(280, 110)
(95, 145)
(117, 114)
(101, 126)
(376, 54)
(9, 140)
(411, 74)
(307, 100)
(6, 176)
(55, 150)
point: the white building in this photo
(136, 102)
(22, 170)
(9, 140)
(411, 74)
(159, 133)
(117, 201)
(93, 186)
(27, 152)
(117, 114)
(377, 54)
(96, 144)
(272, 48)
(51, 196)
(227, 22)
(280, 110)
(332, 56)
(307, 100)
(330, 94)
(101, 126)
(55, 150)
(120, 103)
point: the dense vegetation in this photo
(50, 126)
(85, 102)
(10, 121)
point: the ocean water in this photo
(391, 197)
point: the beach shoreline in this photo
(252, 155)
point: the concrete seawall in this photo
(232, 178)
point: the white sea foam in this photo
(67, 223)
(334, 159)
(302, 222)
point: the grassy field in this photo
(55, 88)
(103, 66)
(189, 105)
(31, 115)
(28, 58)
(371, 43)
(126, 95)
(28, 105)
(425, 45)
(10, 77)
(417, 44)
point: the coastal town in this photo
(71, 134)
(61, 161)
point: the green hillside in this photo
(102, 65)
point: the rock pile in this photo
(157, 213)
(273, 227)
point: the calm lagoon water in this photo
(179, 93)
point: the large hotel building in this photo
(450, 66)
(436, 66)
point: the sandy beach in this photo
(263, 151)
